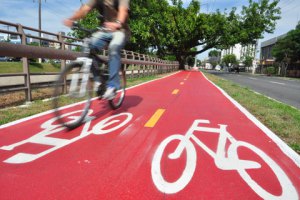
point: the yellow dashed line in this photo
(187, 76)
(155, 117)
(175, 91)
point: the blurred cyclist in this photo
(115, 16)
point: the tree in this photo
(91, 21)
(214, 53)
(287, 49)
(288, 46)
(229, 60)
(248, 60)
(168, 28)
(185, 28)
(214, 57)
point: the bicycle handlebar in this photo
(76, 25)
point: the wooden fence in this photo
(59, 46)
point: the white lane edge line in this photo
(277, 82)
(282, 145)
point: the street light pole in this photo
(40, 17)
(40, 23)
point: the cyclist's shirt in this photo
(109, 10)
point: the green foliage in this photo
(16, 67)
(214, 53)
(91, 22)
(34, 44)
(169, 28)
(257, 18)
(287, 49)
(229, 59)
(271, 70)
(248, 61)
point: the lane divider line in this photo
(175, 91)
(155, 117)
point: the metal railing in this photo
(59, 47)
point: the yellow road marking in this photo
(155, 117)
(175, 91)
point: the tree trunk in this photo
(181, 60)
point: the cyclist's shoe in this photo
(97, 85)
(109, 94)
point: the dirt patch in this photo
(18, 98)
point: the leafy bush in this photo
(271, 70)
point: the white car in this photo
(218, 68)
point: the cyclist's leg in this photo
(97, 42)
(114, 48)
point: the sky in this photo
(25, 12)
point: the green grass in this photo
(282, 119)
(17, 67)
(14, 113)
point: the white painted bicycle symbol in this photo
(231, 162)
(51, 127)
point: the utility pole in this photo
(40, 15)
(40, 22)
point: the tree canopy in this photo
(229, 60)
(287, 49)
(169, 28)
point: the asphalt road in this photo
(284, 90)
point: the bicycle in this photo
(81, 85)
(225, 159)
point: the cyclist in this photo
(115, 16)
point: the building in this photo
(2, 38)
(15, 39)
(266, 58)
(267, 61)
(240, 51)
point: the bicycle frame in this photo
(224, 158)
(221, 161)
(86, 67)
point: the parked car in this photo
(218, 68)
(13, 59)
(3, 59)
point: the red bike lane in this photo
(179, 137)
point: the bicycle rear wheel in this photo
(79, 89)
(120, 95)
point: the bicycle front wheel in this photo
(120, 95)
(74, 85)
